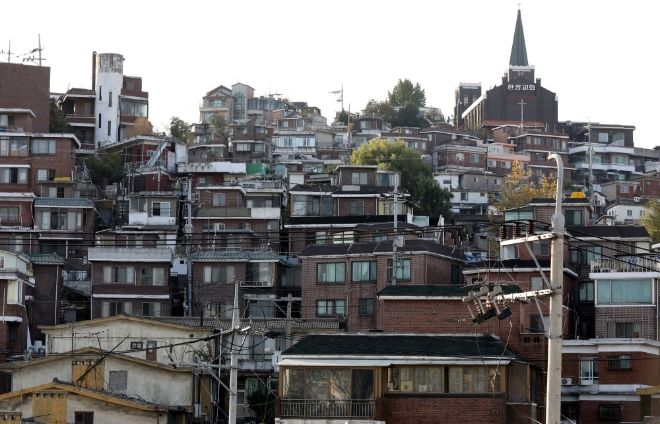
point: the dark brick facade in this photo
(26, 87)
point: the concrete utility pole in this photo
(591, 173)
(395, 238)
(189, 238)
(553, 390)
(233, 372)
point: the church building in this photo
(520, 100)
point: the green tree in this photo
(220, 125)
(382, 109)
(107, 164)
(179, 129)
(650, 219)
(519, 189)
(343, 117)
(416, 174)
(56, 121)
(408, 116)
(406, 93)
(435, 115)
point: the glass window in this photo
(364, 271)
(536, 283)
(586, 292)
(330, 307)
(160, 209)
(359, 178)
(219, 199)
(619, 362)
(573, 217)
(366, 306)
(587, 253)
(357, 207)
(13, 147)
(455, 274)
(13, 175)
(259, 271)
(218, 274)
(42, 147)
(473, 380)
(541, 248)
(589, 371)
(539, 323)
(603, 137)
(624, 330)
(331, 272)
(8, 213)
(118, 274)
(610, 412)
(624, 291)
(402, 269)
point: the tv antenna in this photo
(8, 53)
(271, 94)
(340, 93)
(31, 52)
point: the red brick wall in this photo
(27, 87)
(346, 175)
(432, 410)
(588, 411)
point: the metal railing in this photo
(76, 276)
(625, 264)
(307, 408)
(257, 283)
(13, 272)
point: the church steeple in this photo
(518, 49)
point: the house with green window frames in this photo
(397, 378)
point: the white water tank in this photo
(109, 82)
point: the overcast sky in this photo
(599, 57)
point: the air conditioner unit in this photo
(566, 381)
(636, 198)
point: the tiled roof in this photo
(400, 345)
(80, 92)
(568, 200)
(234, 256)
(620, 231)
(492, 123)
(382, 247)
(255, 324)
(439, 291)
(54, 201)
(41, 258)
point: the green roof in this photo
(58, 202)
(42, 258)
(400, 345)
(439, 291)
(518, 49)
(234, 256)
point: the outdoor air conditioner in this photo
(636, 198)
(566, 381)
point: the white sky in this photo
(597, 56)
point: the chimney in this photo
(94, 71)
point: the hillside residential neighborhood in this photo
(255, 256)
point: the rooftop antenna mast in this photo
(38, 51)
(340, 93)
(8, 53)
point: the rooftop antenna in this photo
(271, 94)
(37, 50)
(340, 93)
(8, 54)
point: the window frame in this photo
(319, 274)
(619, 362)
(331, 307)
(610, 412)
(403, 277)
(372, 271)
(366, 306)
(356, 207)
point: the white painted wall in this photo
(109, 78)
(620, 212)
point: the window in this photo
(364, 271)
(506, 165)
(573, 217)
(473, 380)
(138, 204)
(84, 417)
(149, 276)
(455, 274)
(366, 306)
(357, 207)
(136, 345)
(15, 243)
(56, 192)
(330, 307)
(45, 175)
(219, 309)
(153, 309)
(259, 271)
(218, 274)
(160, 208)
(541, 248)
(610, 412)
(584, 254)
(464, 196)
(243, 147)
(43, 147)
(603, 137)
(380, 237)
(619, 362)
(331, 272)
(133, 108)
(415, 379)
(13, 147)
(402, 269)
(57, 219)
(219, 199)
(629, 212)
(8, 213)
(385, 180)
(100, 126)
(586, 292)
(536, 283)
(492, 164)
(618, 137)
(539, 323)
(7, 121)
(111, 309)
(12, 332)
(359, 178)
(118, 274)
(588, 371)
(261, 308)
(612, 292)
(624, 330)
(13, 175)
(623, 189)
(109, 127)
(474, 158)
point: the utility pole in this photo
(287, 340)
(188, 233)
(591, 172)
(233, 372)
(553, 391)
(395, 239)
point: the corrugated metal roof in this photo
(70, 202)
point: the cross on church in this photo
(522, 106)
(518, 6)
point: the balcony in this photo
(277, 184)
(12, 274)
(85, 120)
(80, 281)
(328, 409)
(605, 166)
(213, 167)
(629, 266)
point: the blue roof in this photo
(65, 203)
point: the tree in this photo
(416, 174)
(519, 189)
(56, 120)
(179, 129)
(382, 109)
(220, 125)
(107, 164)
(408, 116)
(405, 94)
(435, 115)
(650, 219)
(343, 117)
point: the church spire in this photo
(518, 49)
